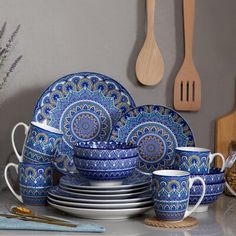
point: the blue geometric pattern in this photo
(34, 181)
(157, 130)
(170, 196)
(63, 161)
(211, 189)
(40, 145)
(170, 210)
(215, 176)
(84, 106)
(206, 200)
(107, 175)
(169, 216)
(102, 165)
(105, 169)
(193, 162)
(104, 150)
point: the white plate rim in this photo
(115, 187)
(102, 214)
(106, 196)
(105, 191)
(76, 199)
(100, 206)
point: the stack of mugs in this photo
(35, 168)
(173, 190)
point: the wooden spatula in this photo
(187, 88)
(150, 65)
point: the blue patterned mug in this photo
(34, 181)
(195, 160)
(40, 143)
(171, 192)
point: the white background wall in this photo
(60, 37)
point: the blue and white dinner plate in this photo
(136, 180)
(56, 193)
(105, 196)
(157, 130)
(85, 106)
(101, 214)
(102, 206)
(105, 191)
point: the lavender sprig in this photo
(11, 69)
(4, 51)
(2, 31)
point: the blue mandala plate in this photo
(157, 130)
(85, 106)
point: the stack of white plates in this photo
(76, 196)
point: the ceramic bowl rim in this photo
(92, 145)
(192, 149)
(170, 173)
(104, 159)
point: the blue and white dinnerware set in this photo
(117, 160)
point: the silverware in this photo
(28, 218)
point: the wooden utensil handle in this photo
(150, 7)
(189, 11)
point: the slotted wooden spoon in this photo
(187, 87)
(150, 65)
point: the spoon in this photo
(150, 64)
(25, 218)
(26, 212)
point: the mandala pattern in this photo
(84, 116)
(108, 101)
(157, 131)
(85, 106)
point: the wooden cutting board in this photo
(225, 134)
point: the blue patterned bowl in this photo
(213, 191)
(113, 169)
(214, 177)
(105, 150)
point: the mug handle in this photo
(212, 157)
(191, 181)
(8, 183)
(20, 158)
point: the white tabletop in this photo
(219, 220)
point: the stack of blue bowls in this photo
(105, 161)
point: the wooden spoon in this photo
(187, 88)
(150, 65)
